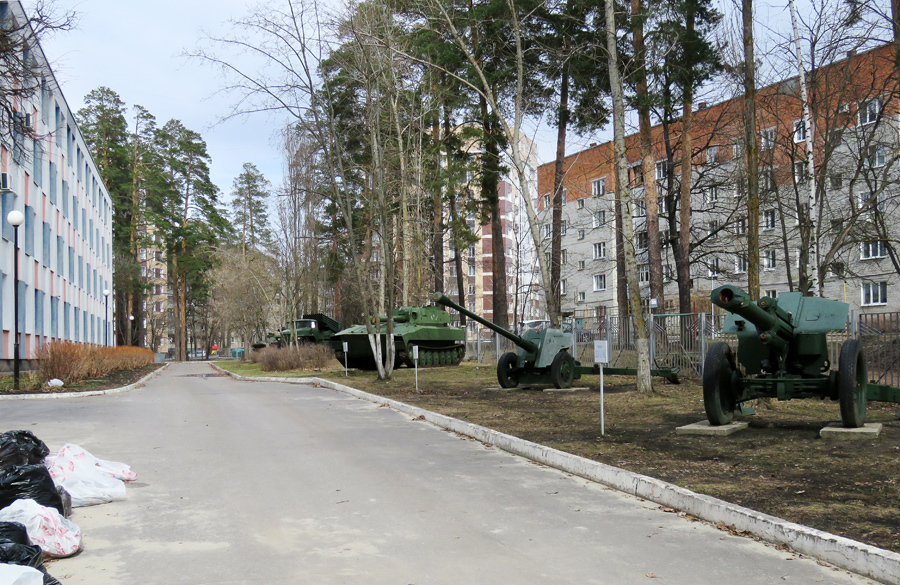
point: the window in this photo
(770, 262)
(471, 269)
(712, 155)
(599, 282)
(668, 273)
(769, 219)
(799, 131)
(712, 194)
(547, 201)
(580, 234)
(800, 171)
(547, 230)
(643, 242)
(772, 293)
(563, 257)
(767, 139)
(157, 272)
(872, 201)
(564, 227)
(713, 229)
(869, 111)
(837, 181)
(643, 273)
(740, 227)
(581, 297)
(471, 289)
(874, 293)
(599, 250)
(579, 203)
(565, 197)
(471, 252)
(157, 306)
(714, 268)
(157, 289)
(875, 156)
(640, 208)
(581, 265)
(740, 264)
(598, 187)
(662, 170)
(599, 218)
(873, 249)
(737, 150)
(767, 178)
(637, 175)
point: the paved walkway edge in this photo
(50, 395)
(870, 561)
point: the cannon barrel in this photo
(773, 329)
(442, 299)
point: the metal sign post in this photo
(601, 356)
(415, 349)
(345, 359)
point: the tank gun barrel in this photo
(771, 322)
(442, 299)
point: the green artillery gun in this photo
(543, 357)
(783, 348)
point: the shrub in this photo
(73, 362)
(311, 356)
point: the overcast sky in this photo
(133, 48)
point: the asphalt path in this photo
(256, 482)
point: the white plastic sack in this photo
(88, 480)
(45, 526)
(20, 575)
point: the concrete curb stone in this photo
(48, 395)
(869, 561)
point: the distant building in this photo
(65, 251)
(856, 135)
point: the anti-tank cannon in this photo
(783, 349)
(543, 357)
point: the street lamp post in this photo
(106, 318)
(15, 219)
(130, 329)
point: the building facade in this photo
(65, 250)
(855, 223)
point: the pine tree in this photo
(250, 192)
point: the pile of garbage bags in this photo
(37, 494)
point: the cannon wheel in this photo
(852, 384)
(562, 370)
(507, 373)
(718, 395)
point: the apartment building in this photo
(64, 253)
(856, 135)
(522, 279)
(157, 301)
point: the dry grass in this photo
(74, 362)
(300, 357)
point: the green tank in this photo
(429, 328)
(312, 328)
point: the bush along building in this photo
(833, 232)
(64, 244)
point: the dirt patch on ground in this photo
(779, 465)
(113, 380)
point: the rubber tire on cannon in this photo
(562, 370)
(718, 393)
(852, 384)
(507, 372)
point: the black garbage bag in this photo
(23, 482)
(26, 555)
(13, 532)
(21, 448)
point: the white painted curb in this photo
(51, 395)
(870, 561)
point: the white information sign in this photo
(601, 354)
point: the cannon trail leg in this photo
(852, 384)
(718, 394)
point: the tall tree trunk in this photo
(623, 193)
(648, 162)
(751, 152)
(554, 292)
(684, 207)
(437, 232)
(490, 184)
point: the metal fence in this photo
(682, 341)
